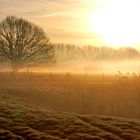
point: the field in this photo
(69, 106)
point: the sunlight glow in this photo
(118, 23)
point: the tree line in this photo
(68, 52)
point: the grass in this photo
(34, 108)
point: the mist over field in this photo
(96, 67)
(88, 59)
(91, 59)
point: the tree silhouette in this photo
(23, 44)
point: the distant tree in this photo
(23, 44)
(127, 52)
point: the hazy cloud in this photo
(55, 14)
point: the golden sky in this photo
(84, 22)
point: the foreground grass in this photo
(21, 119)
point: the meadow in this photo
(80, 93)
(69, 106)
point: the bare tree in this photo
(23, 44)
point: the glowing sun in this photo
(118, 23)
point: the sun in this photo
(118, 23)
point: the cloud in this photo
(55, 14)
(51, 15)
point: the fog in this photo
(88, 59)
(91, 59)
(95, 67)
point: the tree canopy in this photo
(23, 43)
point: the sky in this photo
(82, 22)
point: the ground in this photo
(24, 115)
